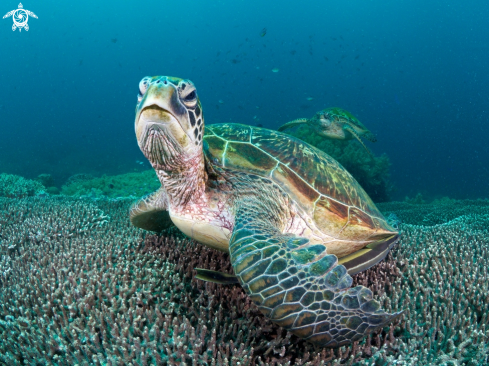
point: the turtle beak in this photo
(153, 109)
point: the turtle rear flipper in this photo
(151, 212)
(216, 277)
(295, 283)
(293, 123)
(368, 256)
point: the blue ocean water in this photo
(414, 72)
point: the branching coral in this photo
(438, 212)
(124, 185)
(14, 186)
(445, 291)
(86, 288)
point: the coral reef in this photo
(437, 212)
(47, 181)
(444, 284)
(80, 285)
(416, 200)
(371, 172)
(15, 186)
(125, 185)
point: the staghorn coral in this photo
(445, 290)
(47, 181)
(438, 212)
(86, 288)
(124, 185)
(15, 186)
(371, 172)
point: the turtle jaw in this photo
(159, 147)
(154, 114)
(160, 136)
(153, 117)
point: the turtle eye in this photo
(190, 97)
(143, 87)
(187, 93)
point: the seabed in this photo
(80, 286)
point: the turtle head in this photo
(169, 121)
(326, 125)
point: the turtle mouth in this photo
(160, 147)
(157, 141)
(153, 119)
(155, 114)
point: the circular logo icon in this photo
(20, 18)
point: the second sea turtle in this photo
(335, 123)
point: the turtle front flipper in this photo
(151, 212)
(297, 284)
(354, 133)
(293, 123)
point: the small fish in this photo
(221, 101)
(263, 32)
(276, 69)
(309, 98)
(114, 40)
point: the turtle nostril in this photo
(165, 82)
(158, 81)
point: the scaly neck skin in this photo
(185, 183)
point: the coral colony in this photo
(79, 285)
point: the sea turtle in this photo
(284, 210)
(335, 123)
